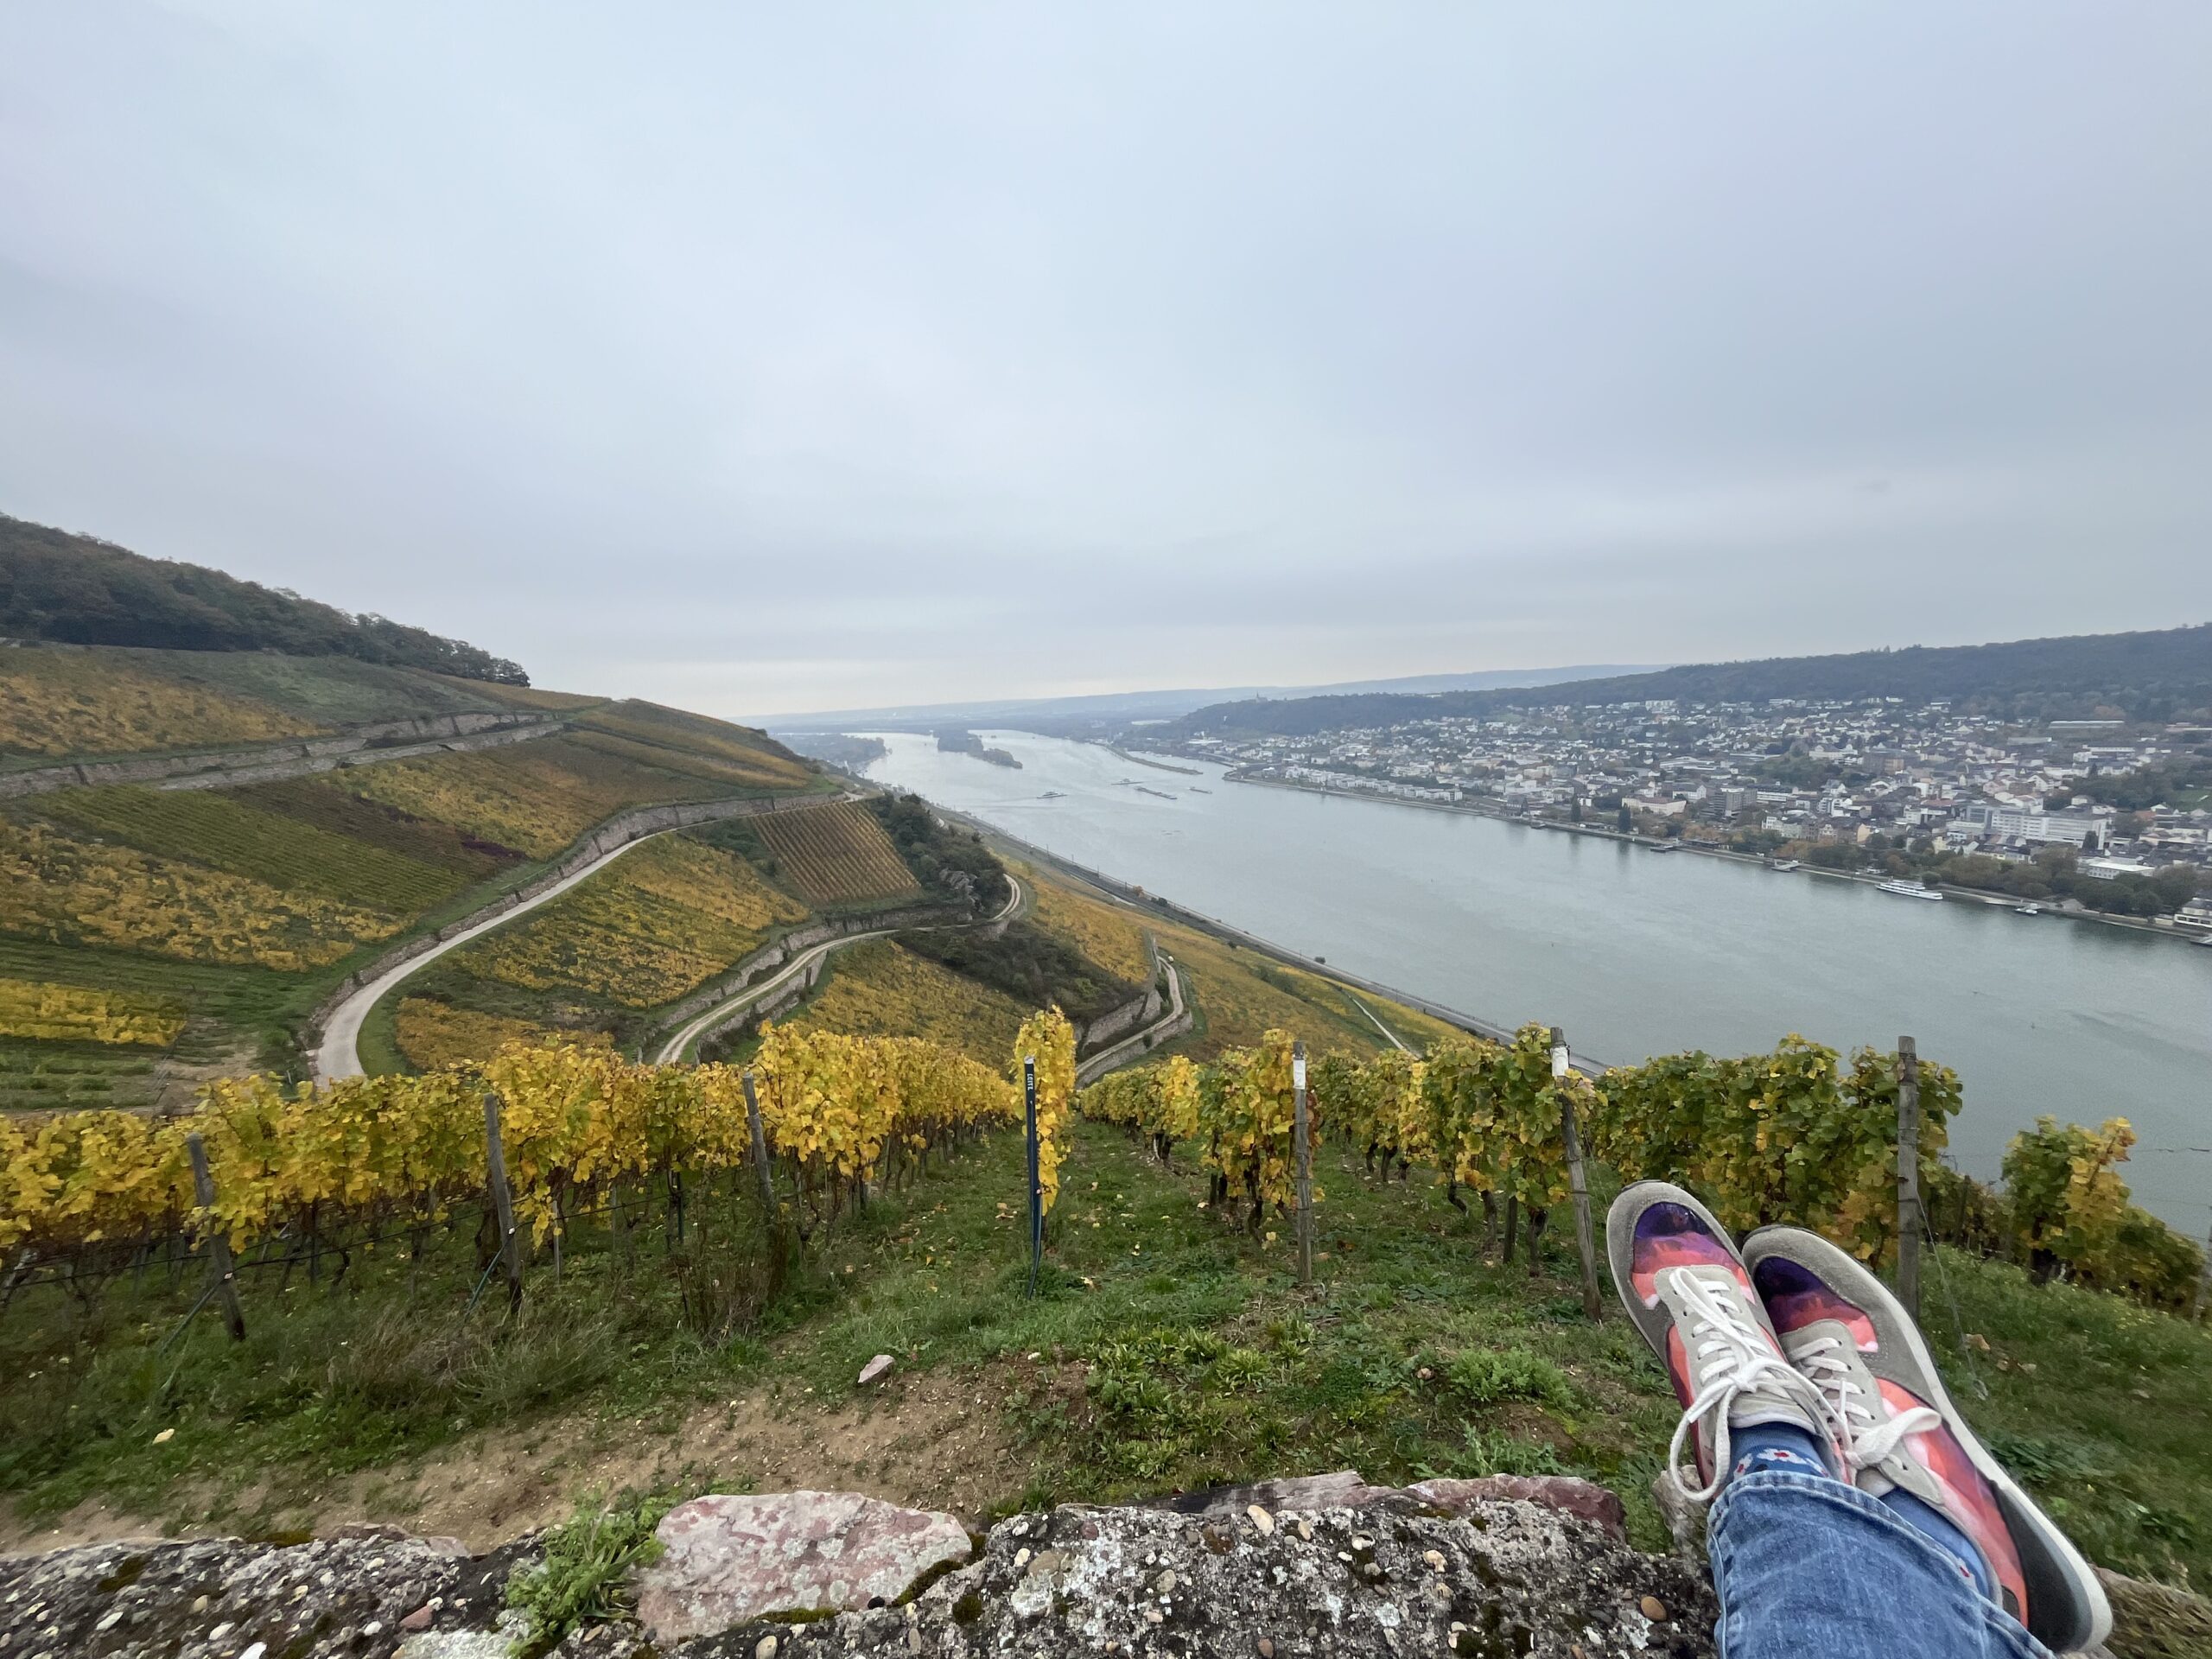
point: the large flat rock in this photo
(729, 1560)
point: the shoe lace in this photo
(1730, 1356)
(1868, 1439)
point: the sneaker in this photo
(1689, 1292)
(1899, 1431)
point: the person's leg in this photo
(1804, 1563)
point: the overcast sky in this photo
(786, 356)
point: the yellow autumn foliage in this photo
(1047, 1038)
(667, 915)
(57, 887)
(881, 988)
(363, 1149)
(77, 1013)
(433, 1033)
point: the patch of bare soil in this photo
(931, 1440)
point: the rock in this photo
(1262, 1522)
(1565, 1493)
(1345, 1488)
(875, 1367)
(1653, 1609)
(726, 1560)
(218, 1597)
(1518, 1578)
(1685, 1518)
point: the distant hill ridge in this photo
(57, 585)
(2162, 674)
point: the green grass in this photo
(230, 1008)
(337, 690)
(1168, 1349)
(40, 1075)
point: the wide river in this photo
(1637, 953)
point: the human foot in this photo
(1900, 1432)
(1690, 1295)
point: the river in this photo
(1635, 953)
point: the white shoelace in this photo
(1868, 1441)
(1731, 1356)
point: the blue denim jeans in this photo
(1808, 1567)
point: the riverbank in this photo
(1864, 878)
(1113, 890)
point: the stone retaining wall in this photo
(287, 760)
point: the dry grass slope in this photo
(1109, 936)
(837, 855)
(56, 702)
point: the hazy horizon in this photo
(763, 361)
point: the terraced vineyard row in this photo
(55, 703)
(643, 932)
(882, 990)
(837, 855)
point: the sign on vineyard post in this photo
(1909, 1217)
(1302, 1150)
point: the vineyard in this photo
(662, 918)
(349, 1160)
(538, 797)
(57, 703)
(64, 889)
(881, 988)
(79, 1013)
(431, 1033)
(231, 833)
(837, 855)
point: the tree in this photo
(1574, 812)
(1627, 823)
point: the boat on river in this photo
(1781, 864)
(2027, 910)
(1908, 890)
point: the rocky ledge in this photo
(1496, 1569)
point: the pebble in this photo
(1653, 1609)
(1266, 1648)
(1164, 1584)
(765, 1647)
(417, 1620)
(1305, 1529)
(1262, 1522)
(1434, 1558)
(1021, 1558)
(254, 1651)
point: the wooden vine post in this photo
(1036, 1180)
(769, 1219)
(1302, 1149)
(1578, 1182)
(503, 1201)
(222, 1274)
(1909, 1217)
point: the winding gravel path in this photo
(722, 1013)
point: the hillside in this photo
(2157, 675)
(76, 589)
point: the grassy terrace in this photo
(1167, 1350)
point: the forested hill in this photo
(2160, 674)
(81, 591)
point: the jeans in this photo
(1808, 1567)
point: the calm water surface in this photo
(1635, 953)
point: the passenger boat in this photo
(1909, 890)
(2027, 910)
(1781, 864)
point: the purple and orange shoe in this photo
(1855, 1343)
(1690, 1293)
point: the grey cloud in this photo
(773, 357)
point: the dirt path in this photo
(934, 1440)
